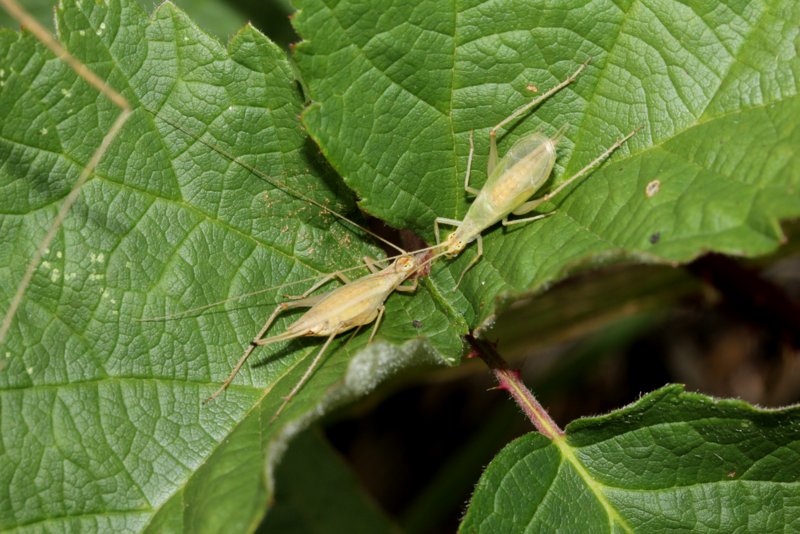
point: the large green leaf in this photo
(398, 85)
(94, 400)
(673, 461)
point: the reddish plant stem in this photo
(511, 381)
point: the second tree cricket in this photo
(512, 181)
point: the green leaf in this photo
(672, 461)
(92, 399)
(715, 86)
(215, 17)
(96, 404)
(317, 492)
(41, 10)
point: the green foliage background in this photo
(95, 401)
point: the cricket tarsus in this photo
(14, 9)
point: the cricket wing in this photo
(346, 307)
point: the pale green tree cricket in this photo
(511, 182)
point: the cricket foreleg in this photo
(409, 288)
(372, 264)
(443, 220)
(467, 187)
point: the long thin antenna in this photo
(272, 180)
(191, 311)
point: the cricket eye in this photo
(405, 264)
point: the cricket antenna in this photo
(272, 180)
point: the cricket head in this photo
(406, 265)
(454, 244)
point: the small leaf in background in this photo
(317, 492)
(671, 461)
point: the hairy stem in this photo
(510, 381)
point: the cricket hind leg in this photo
(257, 341)
(531, 205)
(315, 362)
(305, 376)
(493, 156)
(511, 222)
